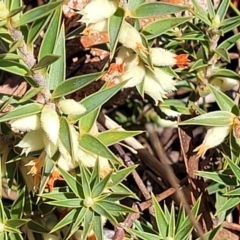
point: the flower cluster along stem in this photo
(30, 61)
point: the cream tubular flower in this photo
(3, 11)
(50, 123)
(163, 57)
(131, 38)
(133, 76)
(224, 84)
(158, 83)
(213, 138)
(98, 10)
(27, 124)
(70, 106)
(101, 26)
(32, 141)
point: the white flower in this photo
(157, 84)
(101, 26)
(127, 67)
(3, 11)
(27, 123)
(98, 10)
(50, 123)
(213, 138)
(224, 84)
(32, 141)
(131, 38)
(70, 106)
(163, 57)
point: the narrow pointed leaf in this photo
(39, 12)
(217, 118)
(46, 61)
(114, 28)
(111, 137)
(97, 226)
(57, 72)
(154, 9)
(159, 27)
(222, 9)
(22, 111)
(96, 100)
(72, 183)
(73, 84)
(93, 145)
(101, 186)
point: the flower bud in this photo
(213, 138)
(50, 123)
(3, 11)
(216, 22)
(27, 124)
(224, 84)
(131, 38)
(98, 10)
(70, 106)
(32, 141)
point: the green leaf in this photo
(32, 92)
(159, 27)
(67, 219)
(211, 9)
(103, 212)
(73, 84)
(65, 135)
(36, 227)
(222, 9)
(22, 111)
(14, 67)
(120, 175)
(16, 223)
(96, 100)
(225, 73)
(115, 207)
(223, 53)
(200, 12)
(235, 169)
(36, 28)
(154, 9)
(114, 28)
(133, 4)
(87, 122)
(93, 145)
(228, 43)
(111, 137)
(230, 204)
(235, 192)
(78, 219)
(143, 235)
(73, 203)
(17, 207)
(101, 186)
(85, 181)
(72, 183)
(198, 65)
(216, 119)
(87, 223)
(46, 61)
(51, 35)
(224, 102)
(57, 73)
(2, 212)
(97, 226)
(9, 56)
(58, 196)
(230, 23)
(162, 222)
(212, 233)
(222, 178)
(39, 12)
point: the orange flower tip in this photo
(87, 31)
(182, 60)
(201, 150)
(91, 236)
(55, 175)
(142, 49)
